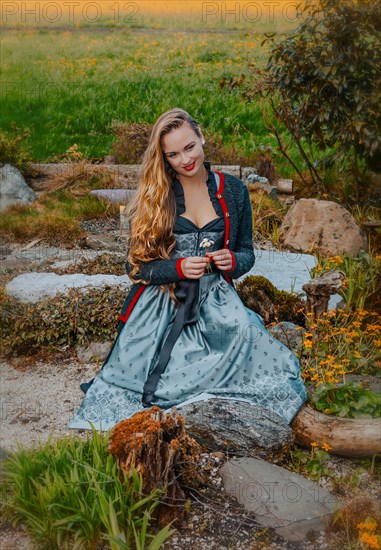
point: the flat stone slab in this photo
(32, 287)
(286, 270)
(285, 501)
(237, 426)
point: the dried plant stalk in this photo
(156, 445)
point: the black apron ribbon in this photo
(186, 292)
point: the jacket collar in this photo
(179, 191)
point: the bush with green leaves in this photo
(324, 82)
(13, 148)
(62, 320)
(72, 494)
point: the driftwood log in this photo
(285, 186)
(346, 436)
(320, 289)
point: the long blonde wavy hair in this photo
(151, 212)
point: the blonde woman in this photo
(184, 333)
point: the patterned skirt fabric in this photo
(227, 353)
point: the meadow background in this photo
(67, 75)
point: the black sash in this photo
(186, 292)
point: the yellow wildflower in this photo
(372, 541)
(367, 525)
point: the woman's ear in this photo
(202, 136)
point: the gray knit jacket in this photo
(232, 201)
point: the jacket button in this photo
(227, 242)
(227, 214)
(219, 196)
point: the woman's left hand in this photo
(222, 259)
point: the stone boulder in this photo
(32, 287)
(323, 225)
(240, 427)
(13, 188)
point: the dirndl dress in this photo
(222, 350)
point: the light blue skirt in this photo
(227, 353)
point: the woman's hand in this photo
(222, 259)
(193, 267)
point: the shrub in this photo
(65, 319)
(324, 81)
(13, 148)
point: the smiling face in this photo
(183, 150)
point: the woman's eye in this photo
(190, 147)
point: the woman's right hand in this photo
(193, 267)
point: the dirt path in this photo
(39, 399)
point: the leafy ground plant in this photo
(310, 463)
(71, 494)
(347, 400)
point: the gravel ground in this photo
(41, 397)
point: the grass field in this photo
(68, 85)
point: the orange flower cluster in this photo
(341, 343)
(368, 536)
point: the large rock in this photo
(32, 287)
(13, 188)
(294, 506)
(240, 427)
(323, 225)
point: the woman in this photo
(184, 333)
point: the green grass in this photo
(68, 87)
(72, 494)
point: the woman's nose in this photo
(185, 158)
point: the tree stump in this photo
(320, 289)
(346, 436)
(155, 444)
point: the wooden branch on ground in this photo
(351, 437)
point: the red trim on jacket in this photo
(178, 268)
(132, 304)
(221, 198)
(224, 207)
